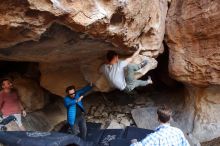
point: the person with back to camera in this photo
(164, 135)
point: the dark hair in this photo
(164, 114)
(70, 88)
(5, 79)
(110, 55)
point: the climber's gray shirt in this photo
(115, 74)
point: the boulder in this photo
(45, 119)
(62, 33)
(110, 20)
(193, 35)
(31, 93)
(206, 120)
(115, 125)
(124, 121)
(55, 77)
(145, 117)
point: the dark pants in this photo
(80, 124)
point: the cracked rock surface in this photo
(77, 33)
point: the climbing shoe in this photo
(149, 80)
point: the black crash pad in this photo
(94, 136)
(109, 135)
(136, 133)
(97, 136)
(93, 126)
(115, 137)
(94, 133)
(120, 142)
(129, 134)
(29, 138)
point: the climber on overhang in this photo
(75, 109)
(114, 71)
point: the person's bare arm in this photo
(22, 109)
(128, 60)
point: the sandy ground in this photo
(214, 142)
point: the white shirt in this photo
(115, 74)
(164, 135)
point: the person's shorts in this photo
(18, 119)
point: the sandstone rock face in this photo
(123, 23)
(207, 105)
(193, 36)
(19, 23)
(80, 32)
(57, 76)
(145, 117)
(32, 95)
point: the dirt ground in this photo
(214, 142)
